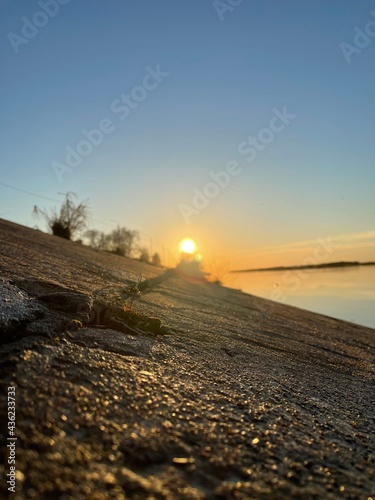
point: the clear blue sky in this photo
(316, 178)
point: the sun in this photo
(188, 245)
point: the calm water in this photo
(346, 293)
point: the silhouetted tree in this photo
(144, 256)
(122, 241)
(104, 241)
(93, 235)
(156, 261)
(69, 221)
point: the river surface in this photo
(344, 293)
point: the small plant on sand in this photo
(70, 220)
(132, 293)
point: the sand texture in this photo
(200, 392)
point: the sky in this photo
(247, 126)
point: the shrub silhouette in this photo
(144, 255)
(69, 221)
(59, 229)
(120, 241)
(156, 260)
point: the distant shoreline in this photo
(311, 266)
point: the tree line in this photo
(72, 220)
(121, 241)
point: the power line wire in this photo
(29, 192)
(51, 199)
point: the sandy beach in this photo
(200, 392)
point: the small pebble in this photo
(183, 460)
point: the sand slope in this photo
(205, 393)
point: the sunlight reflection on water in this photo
(344, 293)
